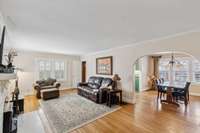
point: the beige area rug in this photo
(72, 111)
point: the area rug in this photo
(72, 111)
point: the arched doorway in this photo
(156, 65)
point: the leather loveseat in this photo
(49, 85)
(95, 89)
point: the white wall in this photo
(146, 71)
(124, 57)
(26, 60)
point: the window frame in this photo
(52, 63)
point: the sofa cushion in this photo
(47, 87)
(98, 81)
(49, 90)
(47, 82)
(89, 90)
(50, 81)
(41, 82)
(93, 85)
(106, 82)
(91, 80)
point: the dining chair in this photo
(161, 90)
(157, 81)
(162, 80)
(182, 93)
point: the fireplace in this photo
(2, 99)
(9, 122)
(3, 95)
(5, 90)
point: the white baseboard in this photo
(127, 100)
(64, 88)
(145, 89)
(67, 88)
(195, 94)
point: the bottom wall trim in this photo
(131, 101)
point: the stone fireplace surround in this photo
(5, 90)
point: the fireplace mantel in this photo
(4, 92)
(7, 76)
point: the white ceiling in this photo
(83, 26)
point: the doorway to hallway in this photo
(83, 79)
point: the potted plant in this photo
(9, 59)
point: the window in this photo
(164, 75)
(44, 69)
(181, 74)
(59, 70)
(51, 69)
(163, 70)
(188, 71)
(196, 71)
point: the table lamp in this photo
(115, 79)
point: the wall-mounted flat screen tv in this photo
(2, 37)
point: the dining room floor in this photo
(148, 115)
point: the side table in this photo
(110, 94)
(18, 106)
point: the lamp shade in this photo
(116, 77)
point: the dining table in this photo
(170, 87)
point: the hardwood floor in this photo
(31, 103)
(147, 116)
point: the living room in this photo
(69, 66)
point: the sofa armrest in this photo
(103, 94)
(57, 85)
(103, 89)
(36, 86)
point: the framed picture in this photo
(104, 65)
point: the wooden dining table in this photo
(169, 89)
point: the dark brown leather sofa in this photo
(49, 84)
(95, 89)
